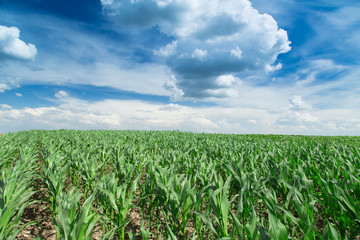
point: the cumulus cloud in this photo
(171, 86)
(55, 118)
(213, 38)
(297, 113)
(199, 54)
(11, 47)
(4, 87)
(296, 103)
(227, 80)
(237, 52)
(124, 114)
(18, 94)
(139, 115)
(8, 83)
(167, 50)
(170, 107)
(61, 94)
(5, 107)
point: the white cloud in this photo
(166, 51)
(12, 47)
(4, 87)
(170, 107)
(8, 83)
(117, 114)
(221, 92)
(340, 89)
(145, 79)
(36, 112)
(344, 17)
(199, 54)
(213, 38)
(296, 103)
(18, 94)
(77, 57)
(170, 85)
(227, 80)
(237, 52)
(271, 68)
(253, 121)
(334, 30)
(61, 94)
(297, 115)
(139, 115)
(297, 118)
(106, 2)
(5, 106)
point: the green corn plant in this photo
(116, 201)
(162, 176)
(124, 170)
(330, 233)
(180, 203)
(305, 208)
(15, 194)
(277, 229)
(104, 157)
(275, 178)
(54, 184)
(7, 151)
(75, 222)
(147, 194)
(249, 188)
(145, 234)
(53, 177)
(74, 171)
(205, 172)
(350, 206)
(250, 228)
(341, 205)
(219, 204)
(89, 172)
(278, 210)
(199, 200)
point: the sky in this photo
(215, 66)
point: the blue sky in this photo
(223, 66)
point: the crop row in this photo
(174, 185)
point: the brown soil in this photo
(39, 213)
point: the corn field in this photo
(176, 185)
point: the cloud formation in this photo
(297, 114)
(11, 47)
(8, 83)
(140, 115)
(213, 38)
(61, 94)
(4, 87)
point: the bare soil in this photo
(39, 213)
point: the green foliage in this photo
(75, 222)
(183, 185)
(16, 192)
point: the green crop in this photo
(177, 185)
(16, 190)
(75, 221)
